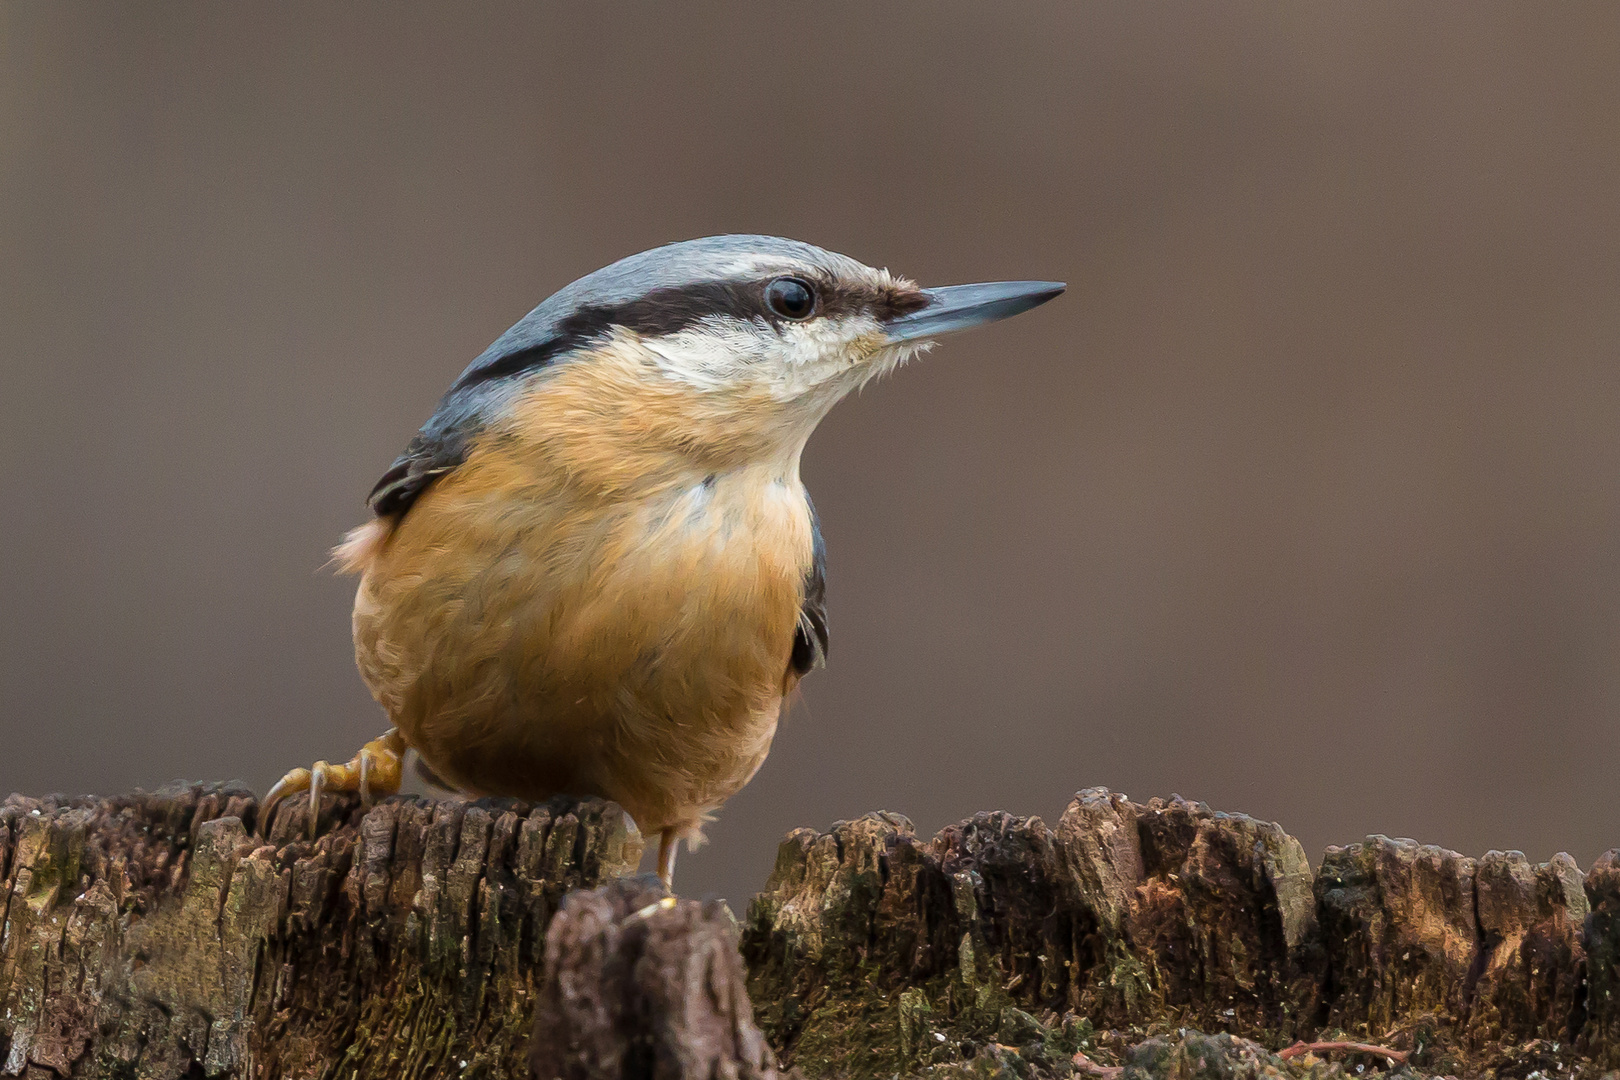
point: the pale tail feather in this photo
(361, 546)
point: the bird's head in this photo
(742, 343)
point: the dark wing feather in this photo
(479, 393)
(810, 638)
(428, 457)
(444, 441)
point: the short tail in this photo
(361, 546)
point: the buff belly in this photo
(530, 638)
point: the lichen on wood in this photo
(874, 951)
(156, 936)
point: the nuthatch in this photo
(595, 570)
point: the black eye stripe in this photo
(671, 310)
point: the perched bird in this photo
(595, 570)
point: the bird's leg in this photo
(667, 844)
(375, 770)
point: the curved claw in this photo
(294, 782)
(375, 770)
(317, 787)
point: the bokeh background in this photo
(1304, 501)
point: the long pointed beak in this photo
(957, 307)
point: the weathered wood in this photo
(155, 936)
(1468, 957)
(874, 951)
(159, 936)
(639, 984)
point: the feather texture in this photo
(590, 603)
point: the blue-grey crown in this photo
(709, 260)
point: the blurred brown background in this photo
(1304, 501)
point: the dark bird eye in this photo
(791, 298)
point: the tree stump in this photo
(639, 984)
(161, 936)
(156, 936)
(1111, 940)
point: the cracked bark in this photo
(154, 936)
(158, 936)
(1004, 944)
(639, 984)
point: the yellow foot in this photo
(375, 770)
(667, 843)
